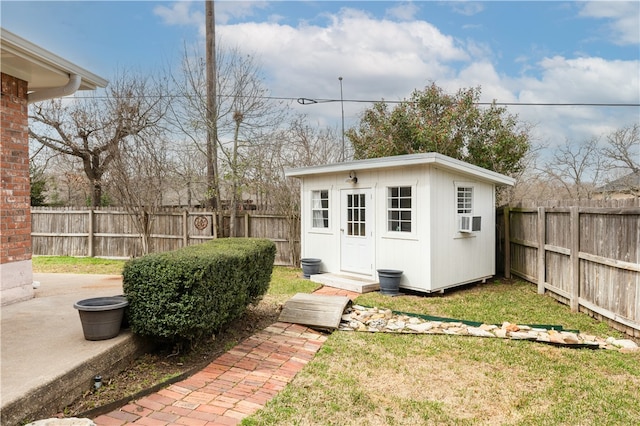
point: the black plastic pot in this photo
(310, 266)
(101, 317)
(389, 281)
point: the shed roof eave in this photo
(403, 161)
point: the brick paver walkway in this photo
(235, 385)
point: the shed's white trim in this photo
(403, 161)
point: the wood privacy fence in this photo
(111, 233)
(586, 257)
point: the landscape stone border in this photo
(374, 319)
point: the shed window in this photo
(320, 208)
(465, 199)
(399, 209)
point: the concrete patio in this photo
(46, 363)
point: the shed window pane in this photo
(399, 209)
(320, 209)
(465, 200)
(355, 215)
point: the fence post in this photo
(246, 225)
(507, 242)
(542, 253)
(91, 232)
(574, 224)
(185, 228)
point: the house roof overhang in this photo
(400, 161)
(40, 68)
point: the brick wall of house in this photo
(15, 200)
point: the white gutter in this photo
(403, 161)
(56, 92)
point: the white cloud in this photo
(386, 59)
(228, 10)
(576, 81)
(624, 17)
(403, 12)
(392, 57)
(467, 8)
(583, 80)
(179, 13)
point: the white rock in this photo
(571, 338)
(625, 343)
(488, 327)
(501, 333)
(543, 337)
(556, 338)
(420, 328)
(479, 332)
(393, 326)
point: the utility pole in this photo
(212, 106)
(342, 107)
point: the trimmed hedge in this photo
(190, 293)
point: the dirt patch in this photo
(167, 365)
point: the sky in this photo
(518, 52)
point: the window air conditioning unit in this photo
(469, 223)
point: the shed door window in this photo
(356, 223)
(320, 208)
(465, 199)
(399, 209)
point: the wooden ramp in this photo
(315, 310)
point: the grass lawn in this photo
(77, 265)
(404, 379)
(393, 379)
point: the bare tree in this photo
(577, 168)
(623, 152)
(94, 129)
(245, 116)
(624, 148)
(251, 115)
(297, 145)
(139, 175)
(189, 181)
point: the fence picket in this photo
(111, 233)
(587, 256)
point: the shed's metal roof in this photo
(403, 161)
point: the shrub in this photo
(190, 293)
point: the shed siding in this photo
(321, 243)
(457, 257)
(434, 255)
(407, 252)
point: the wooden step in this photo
(347, 282)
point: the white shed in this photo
(429, 215)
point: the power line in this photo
(308, 101)
(312, 101)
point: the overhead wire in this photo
(312, 101)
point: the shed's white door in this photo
(356, 229)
